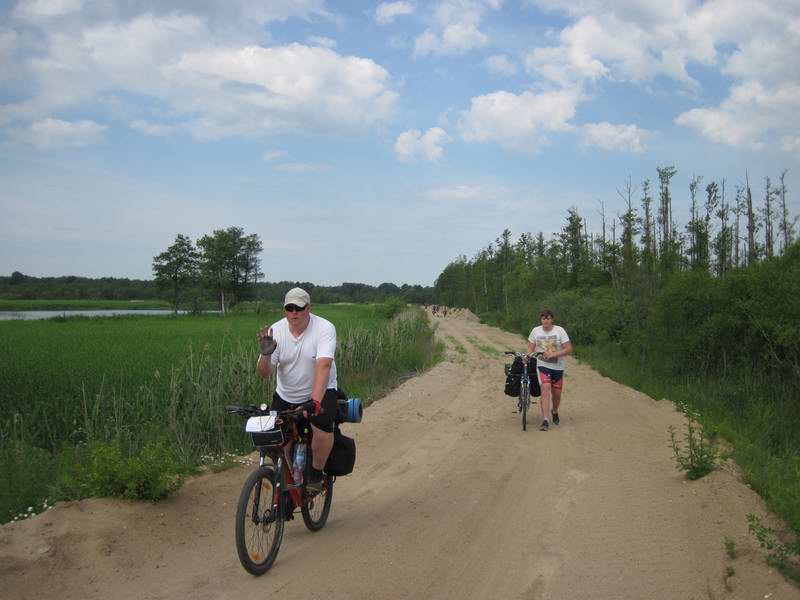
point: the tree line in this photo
(636, 249)
(224, 266)
(645, 282)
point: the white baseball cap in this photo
(298, 297)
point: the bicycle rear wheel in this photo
(316, 508)
(524, 401)
(259, 528)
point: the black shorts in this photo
(324, 420)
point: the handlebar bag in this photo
(342, 458)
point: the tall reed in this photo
(180, 408)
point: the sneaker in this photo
(314, 481)
(544, 426)
(556, 420)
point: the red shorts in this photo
(552, 376)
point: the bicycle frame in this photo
(284, 482)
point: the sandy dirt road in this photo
(450, 499)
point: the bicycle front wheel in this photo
(316, 508)
(259, 528)
(524, 401)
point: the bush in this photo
(699, 457)
(392, 306)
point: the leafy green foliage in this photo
(698, 457)
(177, 267)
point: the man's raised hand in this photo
(266, 341)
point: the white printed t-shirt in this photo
(296, 357)
(549, 341)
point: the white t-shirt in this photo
(296, 357)
(549, 341)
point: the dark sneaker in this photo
(314, 481)
(544, 426)
(556, 420)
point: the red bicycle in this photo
(270, 496)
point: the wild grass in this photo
(457, 346)
(730, 548)
(144, 396)
(781, 555)
(485, 348)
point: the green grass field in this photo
(81, 394)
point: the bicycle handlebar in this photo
(523, 354)
(252, 410)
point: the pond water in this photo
(31, 315)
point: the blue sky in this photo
(372, 141)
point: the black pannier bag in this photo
(514, 375)
(536, 389)
(342, 458)
(512, 385)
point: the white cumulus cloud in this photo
(499, 63)
(34, 9)
(623, 138)
(386, 12)
(457, 28)
(55, 133)
(413, 144)
(152, 129)
(751, 43)
(208, 82)
(518, 121)
(321, 40)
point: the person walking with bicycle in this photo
(301, 348)
(553, 342)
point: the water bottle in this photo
(299, 463)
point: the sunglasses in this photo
(548, 317)
(294, 308)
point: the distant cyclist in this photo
(553, 342)
(301, 347)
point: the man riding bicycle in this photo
(300, 348)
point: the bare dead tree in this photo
(767, 217)
(752, 250)
(738, 210)
(787, 225)
(694, 221)
(603, 246)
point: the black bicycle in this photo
(524, 399)
(271, 495)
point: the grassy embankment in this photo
(757, 412)
(747, 409)
(125, 406)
